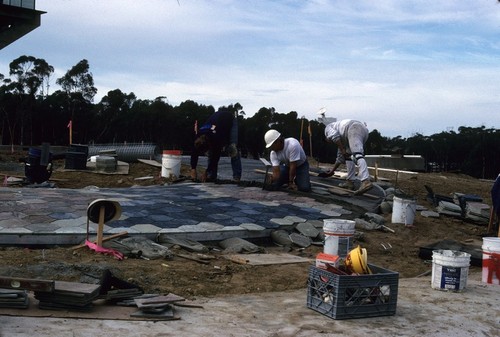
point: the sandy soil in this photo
(188, 278)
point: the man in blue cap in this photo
(219, 131)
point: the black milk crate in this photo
(353, 296)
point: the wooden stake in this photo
(187, 257)
(70, 126)
(100, 229)
(387, 228)
(492, 220)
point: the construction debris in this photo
(239, 245)
(187, 244)
(158, 307)
(69, 296)
(139, 246)
(10, 298)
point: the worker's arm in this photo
(291, 176)
(329, 173)
(276, 174)
(341, 147)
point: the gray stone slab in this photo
(307, 229)
(430, 214)
(252, 227)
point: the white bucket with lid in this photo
(450, 269)
(403, 211)
(491, 260)
(339, 234)
(171, 163)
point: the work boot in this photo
(366, 185)
(348, 184)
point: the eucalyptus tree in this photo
(113, 117)
(28, 76)
(78, 86)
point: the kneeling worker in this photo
(289, 161)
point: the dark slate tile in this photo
(61, 216)
(160, 217)
(218, 216)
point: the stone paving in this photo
(200, 211)
(203, 212)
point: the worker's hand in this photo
(292, 187)
(203, 177)
(326, 174)
(193, 175)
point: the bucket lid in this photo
(450, 253)
(406, 197)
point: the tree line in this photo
(31, 115)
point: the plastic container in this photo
(79, 148)
(353, 296)
(357, 261)
(106, 163)
(403, 211)
(33, 170)
(491, 260)
(171, 163)
(75, 161)
(450, 269)
(338, 236)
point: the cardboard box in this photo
(322, 259)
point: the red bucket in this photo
(173, 152)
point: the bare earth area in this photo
(218, 275)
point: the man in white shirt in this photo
(289, 161)
(350, 137)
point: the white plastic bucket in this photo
(491, 260)
(403, 211)
(450, 269)
(171, 164)
(338, 236)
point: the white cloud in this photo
(401, 66)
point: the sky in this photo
(403, 67)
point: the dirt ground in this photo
(219, 276)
